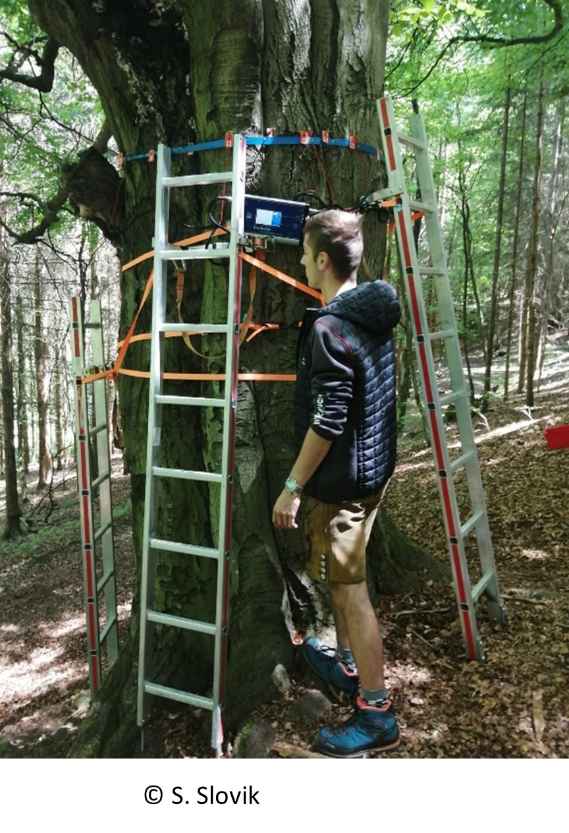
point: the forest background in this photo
(492, 78)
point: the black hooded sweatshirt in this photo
(345, 390)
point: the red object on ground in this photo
(557, 436)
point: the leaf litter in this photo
(514, 704)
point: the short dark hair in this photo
(339, 234)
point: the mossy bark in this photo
(174, 72)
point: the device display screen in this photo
(270, 217)
(273, 219)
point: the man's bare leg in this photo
(342, 635)
(354, 612)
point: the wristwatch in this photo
(292, 486)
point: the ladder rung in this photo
(100, 427)
(481, 586)
(187, 474)
(92, 326)
(197, 179)
(184, 549)
(100, 479)
(452, 397)
(200, 401)
(180, 622)
(107, 629)
(179, 696)
(100, 532)
(471, 522)
(193, 328)
(104, 580)
(416, 205)
(442, 334)
(411, 140)
(195, 252)
(431, 270)
(462, 460)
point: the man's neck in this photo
(332, 287)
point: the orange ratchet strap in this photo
(212, 377)
(270, 270)
(245, 326)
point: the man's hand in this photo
(285, 510)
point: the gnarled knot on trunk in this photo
(95, 192)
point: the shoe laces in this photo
(328, 650)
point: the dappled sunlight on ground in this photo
(536, 555)
(43, 668)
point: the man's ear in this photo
(322, 260)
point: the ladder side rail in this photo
(455, 365)
(162, 213)
(239, 164)
(100, 387)
(430, 394)
(391, 148)
(85, 499)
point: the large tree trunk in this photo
(174, 73)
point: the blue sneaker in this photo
(370, 727)
(341, 681)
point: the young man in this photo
(345, 424)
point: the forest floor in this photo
(515, 704)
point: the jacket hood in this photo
(372, 305)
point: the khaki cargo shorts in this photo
(337, 535)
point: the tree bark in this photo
(176, 73)
(513, 280)
(498, 246)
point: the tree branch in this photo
(554, 5)
(50, 209)
(103, 138)
(43, 82)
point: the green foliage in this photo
(38, 130)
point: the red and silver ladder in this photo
(417, 273)
(97, 546)
(164, 252)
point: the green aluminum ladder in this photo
(416, 274)
(164, 252)
(97, 545)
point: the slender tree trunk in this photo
(552, 211)
(22, 396)
(532, 252)
(513, 280)
(405, 364)
(467, 251)
(13, 526)
(42, 381)
(498, 247)
(58, 415)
